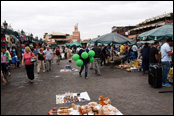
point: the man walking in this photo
(49, 56)
(36, 51)
(97, 57)
(134, 48)
(85, 61)
(58, 53)
(153, 54)
(166, 58)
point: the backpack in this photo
(57, 52)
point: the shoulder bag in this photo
(32, 59)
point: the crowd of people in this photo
(155, 54)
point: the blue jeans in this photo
(165, 71)
(86, 70)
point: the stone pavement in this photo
(128, 91)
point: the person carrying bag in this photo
(28, 58)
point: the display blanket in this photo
(72, 97)
(104, 107)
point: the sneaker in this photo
(166, 85)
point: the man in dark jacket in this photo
(97, 57)
(85, 61)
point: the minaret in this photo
(76, 33)
(76, 28)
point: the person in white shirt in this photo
(166, 58)
(135, 49)
(49, 56)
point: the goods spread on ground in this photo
(92, 108)
(132, 66)
(170, 75)
(69, 97)
(68, 68)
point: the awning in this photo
(147, 26)
(113, 38)
(163, 32)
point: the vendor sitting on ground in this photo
(130, 56)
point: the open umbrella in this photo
(163, 32)
(77, 44)
(113, 38)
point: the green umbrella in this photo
(54, 45)
(113, 38)
(85, 42)
(67, 44)
(163, 32)
(77, 44)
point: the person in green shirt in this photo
(4, 61)
(8, 60)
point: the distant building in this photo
(149, 24)
(60, 38)
(122, 30)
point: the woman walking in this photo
(28, 64)
(40, 59)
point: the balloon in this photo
(75, 57)
(91, 53)
(91, 59)
(84, 55)
(79, 62)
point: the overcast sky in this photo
(93, 17)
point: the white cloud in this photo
(94, 17)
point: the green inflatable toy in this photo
(91, 53)
(79, 62)
(84, 55)
(91, 59)
(75, 57)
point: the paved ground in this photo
(128, 91)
